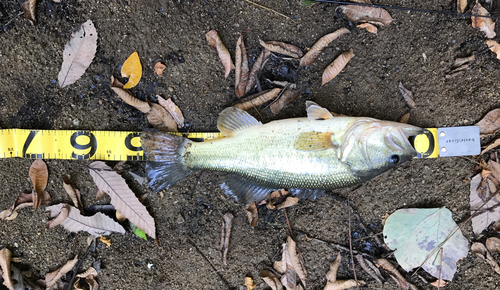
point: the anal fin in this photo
(306, 193)
(244, 191)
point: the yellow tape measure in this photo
(118, 145)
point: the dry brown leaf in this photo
(72, 220)
(331, 277)
(89, 276)
(490, 146)
(173, 109)
(320, 46)
(459, 61)
(290, 201)
(407, 95)
(273, 197)
(227, 222)
(493, 244)
(257, 99)
(215, 42)
(486, 25)
(249, 283)
(256, 67)
(22, 201)
(122, 198)
(333, 69)
(373, 15)
(369, 268)
(161, 119)
(5, 258)
(395, 275)
(159, 68)
(480, 250)
(99, 194)
(252, 214)
(78, 54)
(283, 48)
(288, 97)
(483, 220)
(271, 279)
(362, 1)
(369, 27)
(439, 283)
(494, 46)
(291, 260)
(52, 278)
(120, 217)
(105, 240)
(461, 4)
(29, 7)
(73, 193)
(490, 124)
(241, 71)
(39, 175)
(405, 118)
(127, 97)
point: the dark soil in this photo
(417, 49)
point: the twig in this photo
(78, 265)
(288, 222)
(350, 250)
(337, 246)
(258, 5)
(208, 261)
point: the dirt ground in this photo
(417, 49)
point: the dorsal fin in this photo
(233, 119)
(315, 112)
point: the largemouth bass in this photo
(304, 155)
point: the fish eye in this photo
(394, 159)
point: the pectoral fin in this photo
(233, 119)
(244, 191)
(314, 141)
(315, 112)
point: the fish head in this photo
(370, 147)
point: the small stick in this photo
(339, 247)
(258, 5)
(208, 262)
(78, 265)
(350, 249)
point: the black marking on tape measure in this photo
(432, 144)
(92, 145)
(128, 142)
(27, 143)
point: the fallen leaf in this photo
(290, 261)
(120, 217)
(405, 118)
(461, 4)
(105, 240)
(283, 84)
(490, 146)
(138, 232)
(78, 54)
(320, 46)
(485, 218)
(369, 27)
(249, 283)
(407, 95)
(39, 175)
(241, 71)
(486, 25)
(122, 198)
(73, 193)
(439, 283)
(493, 244)
(333, 284)
(394, 274)
(257, 99)
(459, 61)
(333, 69)
(161, 119)
(271, 279)
(132, 69)
(227, 222)
(288, 97)
(494, 46)
(369, 268)
(283, 48)
(256, 67)
(490, 123)
(290, 201)
(480, 250)
(274, 196)
(373, 15)
(252, 214)
(423, 236)
(89, 276)
(5, 257)
(72, 220)
(100, 193)
(53, 277)
(22, 201)
(29, 7)
(173, 109)
(215, 42)
(128, 98)
(159, 68)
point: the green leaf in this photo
(307, 3)
(422, 237)
(138, 232)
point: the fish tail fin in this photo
(164, 153)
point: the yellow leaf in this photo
(132, 69)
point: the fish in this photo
(307, 156)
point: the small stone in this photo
(170, 89)
(180, 219)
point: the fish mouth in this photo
(409, 130)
